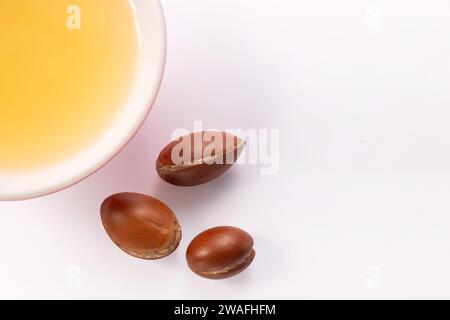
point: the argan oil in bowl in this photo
(77, 80)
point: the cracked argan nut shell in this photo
(220, 252)
(140, 225)
(198, 158)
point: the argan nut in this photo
(140, 225)
(198, 158)
(220, 252)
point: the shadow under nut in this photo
(220, 252)
(140, 225)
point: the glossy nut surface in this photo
(140, 225)
(220, 252)
(198, 158)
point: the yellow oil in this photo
(66, 69)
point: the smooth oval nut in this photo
(198, 158)
(140, 225)
(220, 252)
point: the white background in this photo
(360, 208)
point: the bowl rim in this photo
(34, 185)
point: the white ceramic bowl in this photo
(151, 62)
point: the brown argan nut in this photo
(220, 252)
(140, 225)
(198, 158)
